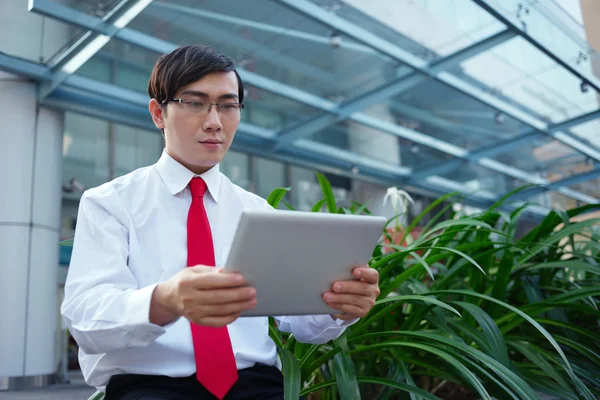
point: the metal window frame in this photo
(422, 71)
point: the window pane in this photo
(235, 167)
(135, 148)
(269, 175)
(85, 153)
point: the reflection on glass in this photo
(85, 153)
(269, 174)
(94, 8)
(482, 181)
(271, 111)
(458, 23)
(519, 71)
(589, 132)
(439, 111)
(379, 146)
(591, 188)
(123, 64)
(545, 157)
(135, 148)
(236, 167)
(269, 39)
(554, 200)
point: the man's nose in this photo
(212, 121)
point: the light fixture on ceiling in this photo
(355, 170)
(499, 118)
(414, 148)
(584, 86)
(335, 39)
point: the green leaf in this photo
(66, 243)
(540, 328)
(344, 371)
(557, 236)
(291, 375)
(510, 378)
(275, 333)
(97, 396)
(490, 331)
(423, 263)
(463, 371)
(399, 386)
(318, 205)
(288, 205)
(460, 253)
(276, 196)
(419, 298)
(327, 193)
(571, 264)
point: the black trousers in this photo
(256, 383)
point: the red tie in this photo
(215, 363)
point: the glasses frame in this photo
(183, 101)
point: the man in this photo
(153, 317)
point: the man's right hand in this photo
(204, 295)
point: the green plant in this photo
(466, 309)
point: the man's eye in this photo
(229, 106)
(195, 104)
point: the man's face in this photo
(194, 137)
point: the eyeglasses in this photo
(202, 108)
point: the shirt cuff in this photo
(137, 315)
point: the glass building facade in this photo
(432, 96)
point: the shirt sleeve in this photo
(103, 308)
(313, 329)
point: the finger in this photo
(367, 274)
(348, 311)
(356, 287)
(227, 309)
(217, 322)
(362, 302)
(203, 278)
(224, 296)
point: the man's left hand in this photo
(354, 298)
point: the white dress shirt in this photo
(131, 234)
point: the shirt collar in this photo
(177, 177)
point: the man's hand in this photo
(204, 295)
(354, 298)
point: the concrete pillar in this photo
(30, 186)
(30, 196)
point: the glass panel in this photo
(519, 71)
(236, 167)
(31, 36)
(554, 200)
(545, 157)
(458, 23)
(550, 25)
(267, 38)
(91, 7)
(302, 183)
(444, 113)
(479, 180)
(269, 175)
(272, 111)
(589, 132)
(123, 64)
(378, 145)
(591, 188)
(85, 154)
(135, 148)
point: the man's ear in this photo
(157, 111)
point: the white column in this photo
(30, 196)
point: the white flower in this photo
(398, 198)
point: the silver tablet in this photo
(293, 257)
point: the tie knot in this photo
(198, 187)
